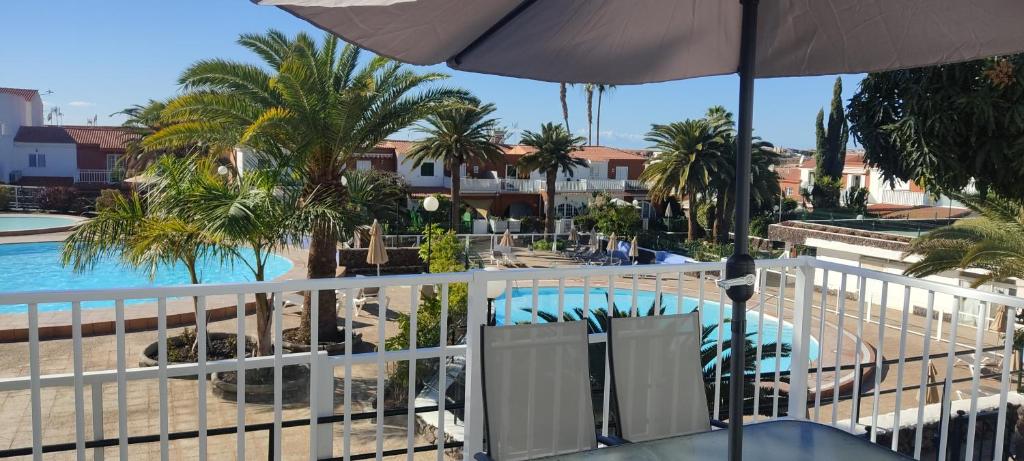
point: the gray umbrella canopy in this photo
(641, 41)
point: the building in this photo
(905, 198)
(501, 190)
(35, 154)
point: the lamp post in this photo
(430, 204)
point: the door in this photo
(622, 172)
(599, 170)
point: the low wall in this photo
(400, 261)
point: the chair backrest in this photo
(537, 397)
(369, 292)
(657, 376)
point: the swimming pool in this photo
(37, 267)
(547, 301)
(27, 223)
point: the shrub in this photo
(5, 198)
(106, 199)
(59, 198)
(857, 200)
(825, 194)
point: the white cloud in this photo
(80, 104)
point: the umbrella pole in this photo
(741, 264)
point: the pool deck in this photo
(44, 231)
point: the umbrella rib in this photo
(508, 17)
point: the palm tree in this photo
(143, 234)
(308, 109)
(993, 241)
(764, 187)
(553, 148)
(458, 136)
(259, 211)
(376, 194)
(601, 90)
(690, 156)
(563, 98)
(142, 120)
(588, 90)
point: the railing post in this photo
(799, 360)
(474, 412)
(324, 374)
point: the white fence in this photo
(22, 197)
(834, 375)
(100, 176)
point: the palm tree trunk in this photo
(565, 104)
(549, 204)
(264, 344)
(322, 263)
(590, 114)
(456, 187)
(721, 229)
(193, 276)
(691, 217)
(597, 132)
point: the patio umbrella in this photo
(643, 41)
(610, 248)
(376, 255)
(573, 236)
(506, 240)
(633, 250)
(1000, 323)
(931, 394)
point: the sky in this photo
(101, 56)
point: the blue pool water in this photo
(547, 301)
(37, 267)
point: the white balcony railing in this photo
(100, 176)
(842, 338)
(533, 186)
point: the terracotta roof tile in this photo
(106, 137)
(23, 92)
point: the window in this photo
(855, 181)
(789, 191)
(363, 165)
(511, 172)
(427, 169)
(476, 169)
(37, 160)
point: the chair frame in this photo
(485, 456)
(614, 410)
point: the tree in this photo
(601, 90)
(142, 120)
(457, 136)
(830, 154)
(145, 234)
(588, 90)
(690, 155)
(993, 241)
(260, 211)
(553, 147)
(563, 98)
(380, 195)
(308, 109)
(945, 126)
